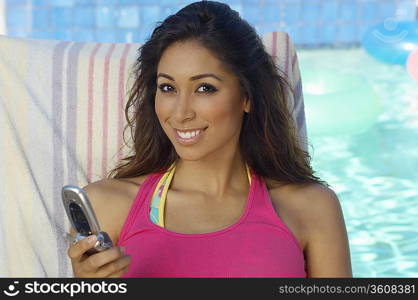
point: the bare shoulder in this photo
(317, 211)
(320, 205)
(313, 196)
(300, 205)
(307, 203)
(328, 250)
(111, 199)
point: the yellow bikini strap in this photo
(167, 177)
(169, 174)
(248, 173)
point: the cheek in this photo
(162, 109)
(225, 114)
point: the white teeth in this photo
(188, 135)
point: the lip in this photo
(190, 141)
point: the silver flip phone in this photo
(83, 219)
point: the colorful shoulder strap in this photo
(160, 194)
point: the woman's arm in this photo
(327, 252)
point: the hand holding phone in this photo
(112, 262)
(83, 219)
(91, 251)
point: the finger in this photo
(76, 250)
(115, 266)
(97, 260)
(119, 273)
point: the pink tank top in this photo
(259, 244)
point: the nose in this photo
(184, 108)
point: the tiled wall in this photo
(309, 22)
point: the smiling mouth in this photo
(187, 134)
(190, 130)
(188, 139)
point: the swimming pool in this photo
(374, 173)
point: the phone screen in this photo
(82, 217)
(79, 218)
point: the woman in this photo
(218, 185)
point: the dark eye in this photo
(161, 87)
(209, 88)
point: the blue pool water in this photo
(374, 173)
(308, 22)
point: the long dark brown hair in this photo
(268, 140)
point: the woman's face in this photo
(187, 99)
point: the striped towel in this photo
(61, 122)
(279, 45)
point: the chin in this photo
(191, 154)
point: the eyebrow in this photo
(193, 77)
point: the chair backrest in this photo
(61, 122)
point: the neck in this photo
(214, 178)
